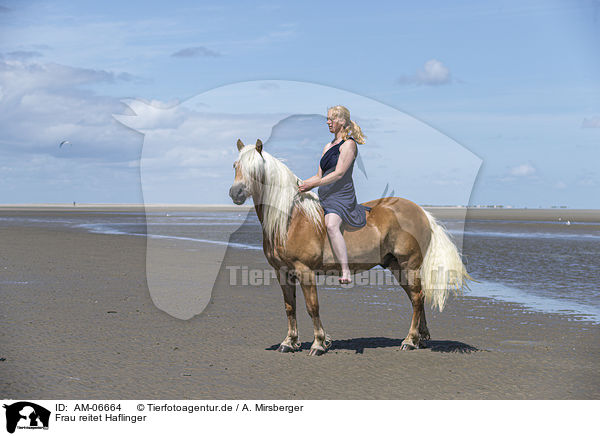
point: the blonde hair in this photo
(350, 127)
(275, 187)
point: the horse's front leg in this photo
(309, 287)
(288, 286)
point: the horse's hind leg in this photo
(288, 286)
(418, 332)
(410, 281)
(309, 287)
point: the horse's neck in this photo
(259, 212)
(259, 207)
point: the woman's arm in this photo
(315, 179)
(347, 155)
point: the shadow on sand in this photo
(358, 345)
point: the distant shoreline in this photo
(442, 212)
(120, 207)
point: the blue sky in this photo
(517, 84)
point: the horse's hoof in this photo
(407, 347)
(285, 349)
(316, 352)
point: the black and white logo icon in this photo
(26, 415)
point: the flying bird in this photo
(63, 143)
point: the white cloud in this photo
(433, 73)
(44, 104)
(587, 180)
(523, 170)
(24, 77)
(518, 173)
(591, 123)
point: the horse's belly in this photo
(364, 247)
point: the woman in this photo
(334, 178)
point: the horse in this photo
(399, 235)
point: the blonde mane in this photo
(275, 187)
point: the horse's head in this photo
(249, 171)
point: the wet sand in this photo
(485, 213)
(77, 321)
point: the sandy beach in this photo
(77, 321)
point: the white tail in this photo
(442, 270)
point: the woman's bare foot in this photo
(345, 279)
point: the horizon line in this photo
(246, 206)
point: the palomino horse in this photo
(399, 235)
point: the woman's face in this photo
(334, 123)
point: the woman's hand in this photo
(307, 185)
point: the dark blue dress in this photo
(339, 197)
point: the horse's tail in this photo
(442, 270)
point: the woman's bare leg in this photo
(333, 222)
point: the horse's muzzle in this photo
(238, 193)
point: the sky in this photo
(466, 102)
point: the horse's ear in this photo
(259, 146)
(240, 145)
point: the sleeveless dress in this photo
(339, 197)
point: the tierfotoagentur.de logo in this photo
(26, 415)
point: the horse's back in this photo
(402, 221)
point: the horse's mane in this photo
(275, 188)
